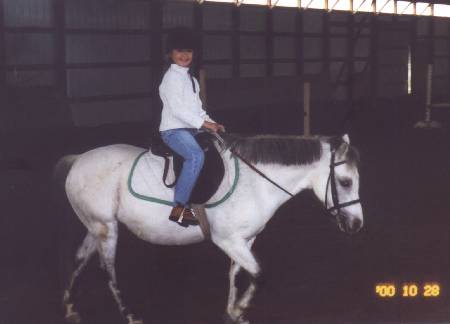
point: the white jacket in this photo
(182, 108)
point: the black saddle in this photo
(211, 174)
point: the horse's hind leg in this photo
(108, 247)
(84, 253)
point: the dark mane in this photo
(285, 150)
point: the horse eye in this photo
(346, 183)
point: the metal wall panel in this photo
(396, 87)
(31, 78)
(107, 48)
(313, 21)
(338, 47)
(217, 17)
(338, 29)
(359, 66)
(362, 47)
(96, 82)
(440, 68)
(385, 17)
(253, 70)
(313, 67)
(423, 26)
(393, 38)
(441, 26)
(362, 17)
(340, 93)
(29, 48)
(340, 16)
(252, 18)
(252, 47)
(217, 47)
(335, 71)
(118, 111)
(178, 14)
(440, 91)
(284, 47)
(218, 71)
(284, 19)
(29, 13)
(107, 14)
(361, 85)
(397, 57)
(395, 77)
(280, 69)
(312, 48)
(441, 47)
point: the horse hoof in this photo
(131, 320)
(136, 322)
(227, 319)
(73, 318)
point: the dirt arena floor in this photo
(312, 272)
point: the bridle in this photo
(331, 179)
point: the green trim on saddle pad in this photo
(171, 203)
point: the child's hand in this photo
(214, 127)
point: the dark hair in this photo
(181, 38)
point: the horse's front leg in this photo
(236, 309)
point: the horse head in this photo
(336, 184)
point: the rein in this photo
(250, 165)
(260, 172)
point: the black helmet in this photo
(181, 38)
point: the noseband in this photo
(332, 181)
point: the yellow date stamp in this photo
(408, 290)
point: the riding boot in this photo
(183, 216)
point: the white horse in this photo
(97, 189)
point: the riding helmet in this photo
(181, 38)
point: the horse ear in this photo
(346, 139)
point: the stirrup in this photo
(182, 219)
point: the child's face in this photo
(182, 57)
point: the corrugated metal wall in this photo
(110, 65)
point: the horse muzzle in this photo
(349, 225)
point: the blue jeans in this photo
(182, 141)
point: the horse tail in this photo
(62, 168)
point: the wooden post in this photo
(3, 83)
(2, 50)
(235, 42)
(373, 57)
(269, 42)
(203, 88)
(155, 37)
(60, 41)
(306, 108)
(428, 94)
(427, 122)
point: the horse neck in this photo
(293, 178)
